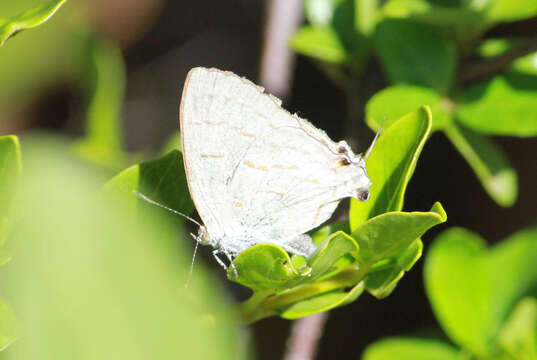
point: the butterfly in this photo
(256, 173)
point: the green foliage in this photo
(28, 19)
(415, 54)
(94, 280)
(105, 88)
(419, 44)
(10, 170)
(410, 349)
(10, 174)
(484, 299)
(383, 245)
(391, 164)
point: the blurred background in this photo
(48, 76)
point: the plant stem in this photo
(277, 61)
(305, 335)
(260, 305)
(492, 66)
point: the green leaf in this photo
(511, 10)
(382, 281)
(324, 259)
(503, 105)
(10, 170)
(8, 325)
(488, 161)
(472, 290)
(105, 84)
(264, 267)
(519, 335)
(415, 54)
(365, 16)
(319, 43)
(391, 164)
(390, 246)
(390, 234)
(162, 180)
(322, 302)
(452, 16)
(320, 13)
(410, 349)
(340, 31)
(28, 19)
(92, 281)
(390, 104)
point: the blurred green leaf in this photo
(91, 281)
(162, 180)
(391, 165)
(390, 104)
(172, 143)
(503, 105)
(488, 161)
(519, 335)
(10, 171)
(390, 234)
(472, 290)
(28, 19)
(320, 13)
(105, 85)
(37, 61)
(410, 349)
(8, 325)
(498, 46)
(415, 54)
(510, 10)
(526, 64)
(365, 16)
(319, 43)
(459, 287)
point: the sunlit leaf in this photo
(391, 165)
(503, 105)
(410, 349)
(392, 103)
(472, 289)
(488, 161)
(415, 54)
(28, 19)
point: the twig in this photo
(305, 335)
(488, 67)
(283, 18)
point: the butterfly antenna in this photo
(192, 263)
(374, 141)
(143, 197)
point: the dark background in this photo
(228, 35)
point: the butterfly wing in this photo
(254, 170)
(219, 118)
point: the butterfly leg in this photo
(222, 264)
(231, 262)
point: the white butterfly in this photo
(258, 174)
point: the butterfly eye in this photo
(344, 162)
(342, 149)
(363, 195)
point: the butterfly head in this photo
(353, 167)
(204, 238)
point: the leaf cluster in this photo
(432, 52)
(484, 299)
